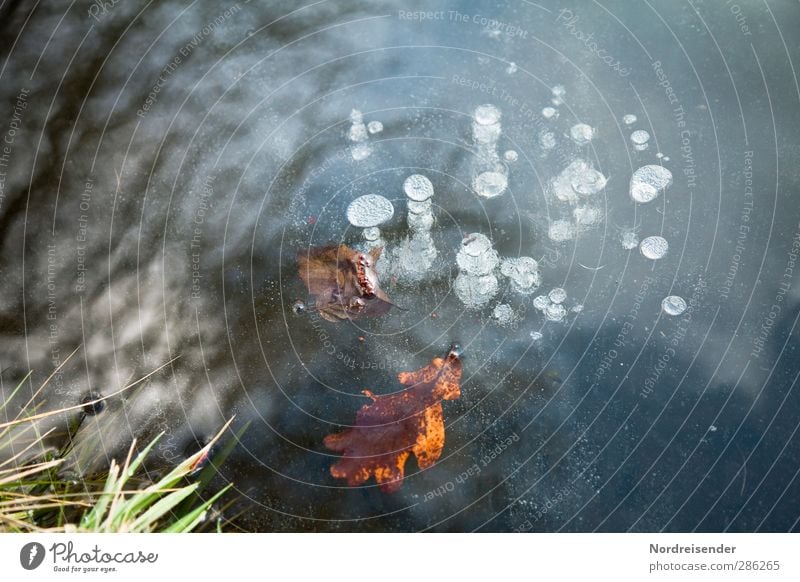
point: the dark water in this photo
(164, 162)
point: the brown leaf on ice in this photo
(392, 427)
(344, 282)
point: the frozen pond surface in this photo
(163, 165)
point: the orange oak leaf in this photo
(392, 427)
(343, 281)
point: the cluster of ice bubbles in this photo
(579, 178)
(415, 254)
(576, 185)
(552, 305)
(640, 139)
(359, 133)
(368, 212)
(477, 283)
(648, 182)
(490, 173)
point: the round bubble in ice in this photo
(475, 244)
(629, 240)
(640, 137)
(549, 112)
(371, 234)
(629, 119)
(654, 247)
(547, 139)
(581, 133)
(523, 273)
(475, 290)
(511, 68)
(541, 302)
(417, 207)
(579, 177)
(490, 184)
(648, 182)
(356, 116)
(420, 220)
(588, 181)
(561, 230)
(557, 295)
(536, 336)
(369, 210)
(361, 152)
(358, 132)
(478, 265)
(673, 305)
(375, 127)
(587, 216)
(487, 114)
(418, 187)
(559, 90)
(555, 312)
(503, 313)
(511, 156)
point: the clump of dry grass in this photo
(34, 497)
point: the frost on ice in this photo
(552, 305)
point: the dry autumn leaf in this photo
(394, 426)
(343, 281)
